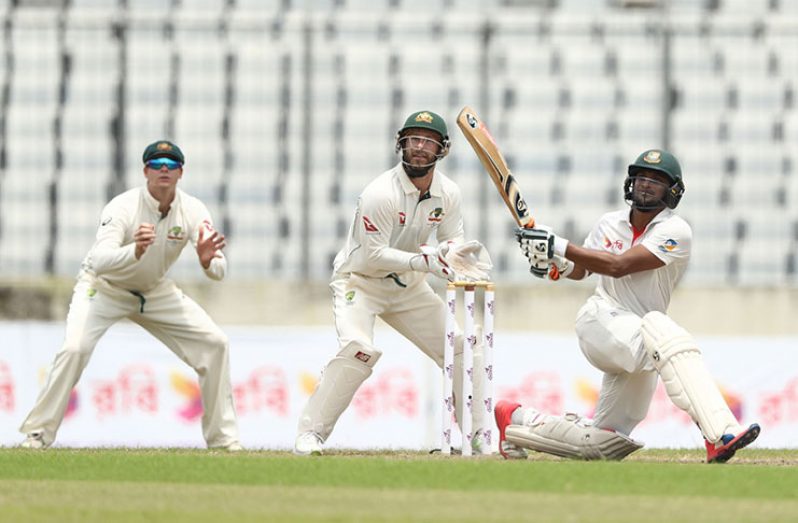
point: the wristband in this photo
(559, 246)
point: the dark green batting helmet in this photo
(427, 120)
(662, 161)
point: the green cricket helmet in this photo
(426, 120)
(661, 161)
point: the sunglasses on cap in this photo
(158, 163)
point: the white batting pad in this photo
(339, 382)
(571, 436)
(678, 360)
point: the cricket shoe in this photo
(35, 440)
(308, 444)
(724, 450)
(503, 412)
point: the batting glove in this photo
(541, 246)
(560, 268)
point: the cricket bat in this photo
(477, 134)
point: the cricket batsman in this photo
(141, 234)
(381, 271)
(640, 254)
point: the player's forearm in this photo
(595, 261)
(217, 268)
(104, 259)
(390, 260)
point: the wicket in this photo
(469, 342)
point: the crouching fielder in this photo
(141, 234)
(381, 271)
(623, 330)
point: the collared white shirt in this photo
(113, 258)
(390, 223)
(668, 237)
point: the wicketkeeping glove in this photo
(470, 260)
(430, 261)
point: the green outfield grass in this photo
(196, 486)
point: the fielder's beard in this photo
(417, 171)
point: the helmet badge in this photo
(653, 157)
(424, 117)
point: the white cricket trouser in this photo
(415, 311)
(611, 340)
(170, 316)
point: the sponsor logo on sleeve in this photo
(362, 356)
(105, 221)
(370, 227)
(668, 245)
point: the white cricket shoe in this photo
(35, 440)
(234, 447)
(308, 444)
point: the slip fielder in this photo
(141, 234)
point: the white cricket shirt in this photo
(668, 237)
(390, 223)
(113, 258)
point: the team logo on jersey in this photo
(349, 296)
(176, 233)
(435, 215)
(668, 245)
(616, 245)
(370, 227)
(402, 219)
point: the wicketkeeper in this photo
(381, 271)
(141, 234)
(623, 329)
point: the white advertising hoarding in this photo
(136, 393)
